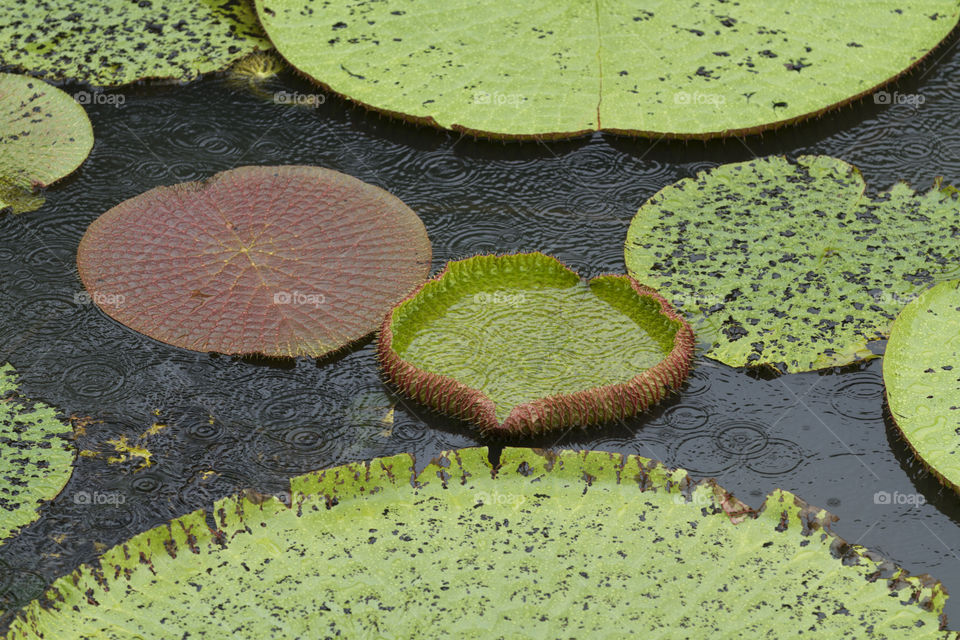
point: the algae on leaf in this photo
(542, 68)
(921, 372)
(36, 456)
(114, 42)
(520, 344)
(575, 544)
(281, 261)
(791, 262)
(44, 136)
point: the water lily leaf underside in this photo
(281, 261)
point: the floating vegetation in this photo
(280, 261)
(520, 344)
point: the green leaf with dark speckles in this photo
(114, 42)
(688, 69)
(44, 136)
(576, 544)
(791, 264)
(36, 455)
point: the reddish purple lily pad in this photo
(280, 261)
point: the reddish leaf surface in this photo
(280, 261)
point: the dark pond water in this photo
(821, 435)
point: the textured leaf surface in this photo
(44, 136)
(119, 41)
(282, 261)
(519, 343)
(545, 68)
(575, 545)
(36, 457)
(921, 371)
(791, 264)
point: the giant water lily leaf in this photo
(551, 69)
(791, 264)
(576, 544)
(520, 344)
(44, 136)
(36, 456)
(280, 261)
(921, 371)
(122, 41)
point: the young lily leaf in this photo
(281, 261)
(575, 544)
(36, 455)
(921, 371)
(542, 68)
(519, 344)
(792, 263)
(44, 136)
(121, 41)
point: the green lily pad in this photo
(520, 344)
(553, 69)
(791, 265)
(921, 371)
(44, 136)
(36, 455)
(575, 544)
(121, 41)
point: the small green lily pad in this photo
(520, 344)
(44, 136)
(791, 264)
(36, 455)
(546, 69)
(921, 371)
(120, 41)
(575, 544)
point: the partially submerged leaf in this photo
(119, 41)
(519, 344)
(280, 261)
(794, 263)
(543, 68)
(921, 372)
(36, 455)
(575, 544)
(44, 136)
